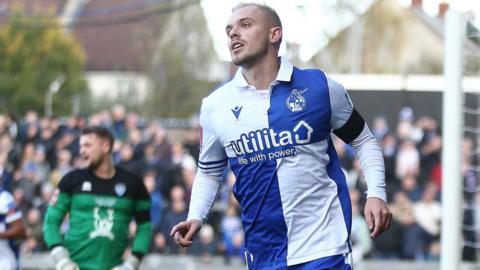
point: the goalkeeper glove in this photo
(131, 263)
(62, 260)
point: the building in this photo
(390, 39)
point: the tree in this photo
(33, 56)
(180, 63)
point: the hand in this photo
(184, 231)
(378, 216)
(131, 263)
(61, 258)
(67, 265)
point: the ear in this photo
(275, 35)
(105, 146)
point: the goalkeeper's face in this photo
(93, 151)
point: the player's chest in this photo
(104, 194)
(87, 203)
(283, 112)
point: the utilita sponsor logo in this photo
(266, 139)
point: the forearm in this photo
(204, 191)
(370, 156)
(15, 230)
(142, 239)
(51, 227)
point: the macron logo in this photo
(236, 111)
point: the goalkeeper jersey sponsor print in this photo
(100, 211)
(289, 183)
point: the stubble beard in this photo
(250, 60)
(95, 164)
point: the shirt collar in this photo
(284, 74)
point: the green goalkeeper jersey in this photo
(100, 211)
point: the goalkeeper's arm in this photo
(144, 232)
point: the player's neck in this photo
(263, 73)
(106, 170)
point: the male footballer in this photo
(101, 201)
(272, 123)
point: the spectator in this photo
(159, 243)
(6, 177)
(23, 204)
(156, 210)
(34, 225)
(46, 193)
(207, 246)
(380, 127)
(128, 161)
(118, 125)
(360, 237)
(408, 160)
(42, 168)
(176, 212)
(428, 216)
(389, 147)
(64, 159)
(405, 124)
(232, 232)
(192, 142)
(411, 188)
(404, 213)
(150, 159)
(181, 158)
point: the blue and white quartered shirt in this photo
(8, 214)
(289, 183)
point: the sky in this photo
(309, 22)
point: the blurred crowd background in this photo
(35, 152)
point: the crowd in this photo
(35, 152)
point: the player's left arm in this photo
(144, 233)
(349, 125)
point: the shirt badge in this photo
(296, 101)
(87, 186)
(120, 189)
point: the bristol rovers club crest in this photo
(296, 102)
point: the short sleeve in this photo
(66, 183)
(340, 102)
(212, 158)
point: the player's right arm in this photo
(13, 217)
(211, 165)
(58, 207)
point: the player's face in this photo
(93, 150)
(248, 36)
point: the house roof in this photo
(115, 34)
(387, 38)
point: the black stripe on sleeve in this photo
(352, 128)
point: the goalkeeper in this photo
(101, 201)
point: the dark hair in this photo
(101, 132)
(269, 11)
